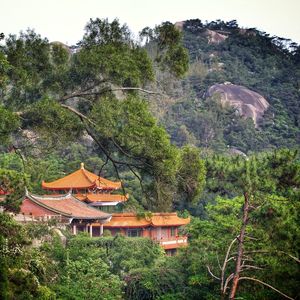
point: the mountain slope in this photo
(222, 52)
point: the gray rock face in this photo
(249, 103)
(215, 37)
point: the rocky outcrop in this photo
(215, 37)
(249, 103)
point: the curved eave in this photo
(107, 203)
(45, 186)
(64, 214)
(126, 226)
(168, 225)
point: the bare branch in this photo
(103, 165)
(251, 238)
(230, 258)
(139, 178)
(106, 90)
(82, 91)
(226, 260)
(210, 272)
(227, 282)
(88, 120)
(270, 252)
(79, 114)
(266, 284)
(126, 153)
(218, 261)
(291, 256)
(135, 89)
(247, 267)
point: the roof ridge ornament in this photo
(82, 166)
(26, 192)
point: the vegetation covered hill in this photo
(221, 52)
(112, 104)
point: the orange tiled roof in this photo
(102, 197)
(167, 219)
(81, 179)
(156, 220)
(68, 206)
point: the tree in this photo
(191, 176)
(9, 124)
(88, 279)
(13, 183)
(108, 60)
(28, 56)
(170, 54)
(254, 178)
(270, 254)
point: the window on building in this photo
(173, 231)
(134, 232)
(171, 252)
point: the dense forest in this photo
(139, 111)
(222, 52)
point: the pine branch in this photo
(210, 272)
(106, 90)
(226, 260)
(266, 284)
(270, 252)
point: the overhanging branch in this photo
(266, 284)
(211, 273)
(106, 90)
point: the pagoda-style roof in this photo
(92, 198)
(65, 205)
(155, 220)
(81, 179)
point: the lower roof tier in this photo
(102, 197)
(127, 220)
(66, 206)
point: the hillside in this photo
(109, 103)
(222, 52)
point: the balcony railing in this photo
(173, 242)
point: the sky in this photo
(64, 20)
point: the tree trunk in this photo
(241, 238)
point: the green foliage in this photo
(253, 59)
(124, 254)
(171, 55)
(11, 161)
(53, 122)
(20, 280)
(191, 176)
(14, 184)
(28, 56)
(88, 279)
(130, 124)
(42, 76)
(273, 239)
(101, 32)
(3, 278)
(158, 282)
(9, 123)
(108, 54)
(4, 67)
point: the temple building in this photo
(88, 187)
(83, 200)
(160, 227)
(65, 209)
